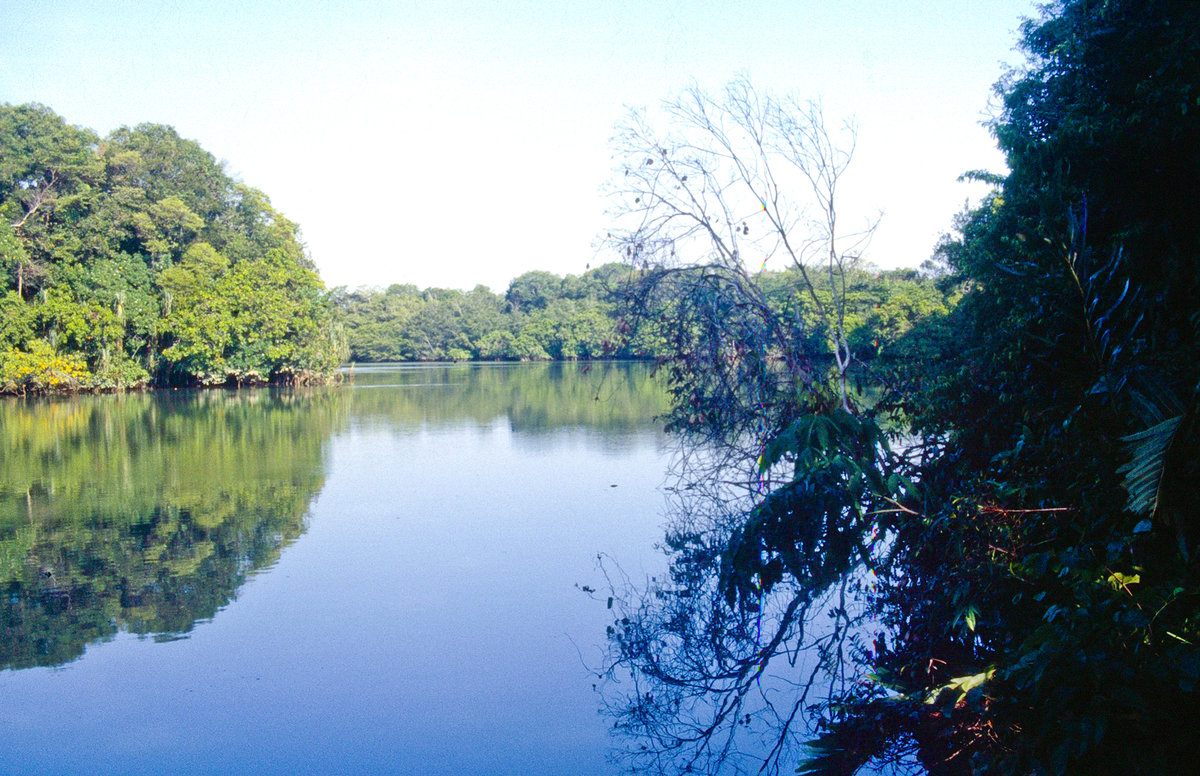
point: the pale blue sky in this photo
(464, 142)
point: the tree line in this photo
(543, 316)
(135, 259)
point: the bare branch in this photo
(700, 208)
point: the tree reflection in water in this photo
(146, 513)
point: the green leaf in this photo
(956, 689)
(1120, 581)
(1147, 463)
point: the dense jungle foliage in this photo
(1012, 585)
(1055, 550)
(544, 316)
(135, 258)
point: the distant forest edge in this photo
(136, 260)
(543, 316)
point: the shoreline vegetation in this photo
(546, 317)
(993, 567)
(135, 261)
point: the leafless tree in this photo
(707, 194)
(727, 186)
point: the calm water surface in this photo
(376, 578)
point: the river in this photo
(386, 576)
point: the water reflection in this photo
(427, 531)
(144, 513)
(535, 398)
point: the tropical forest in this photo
(938, 519)
(136, 260)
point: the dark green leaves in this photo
(1143, 474)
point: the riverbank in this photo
(25, 374)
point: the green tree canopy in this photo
(139, 255)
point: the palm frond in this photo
(837, 752)
(1143, 474)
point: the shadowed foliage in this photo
(1011, 586)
